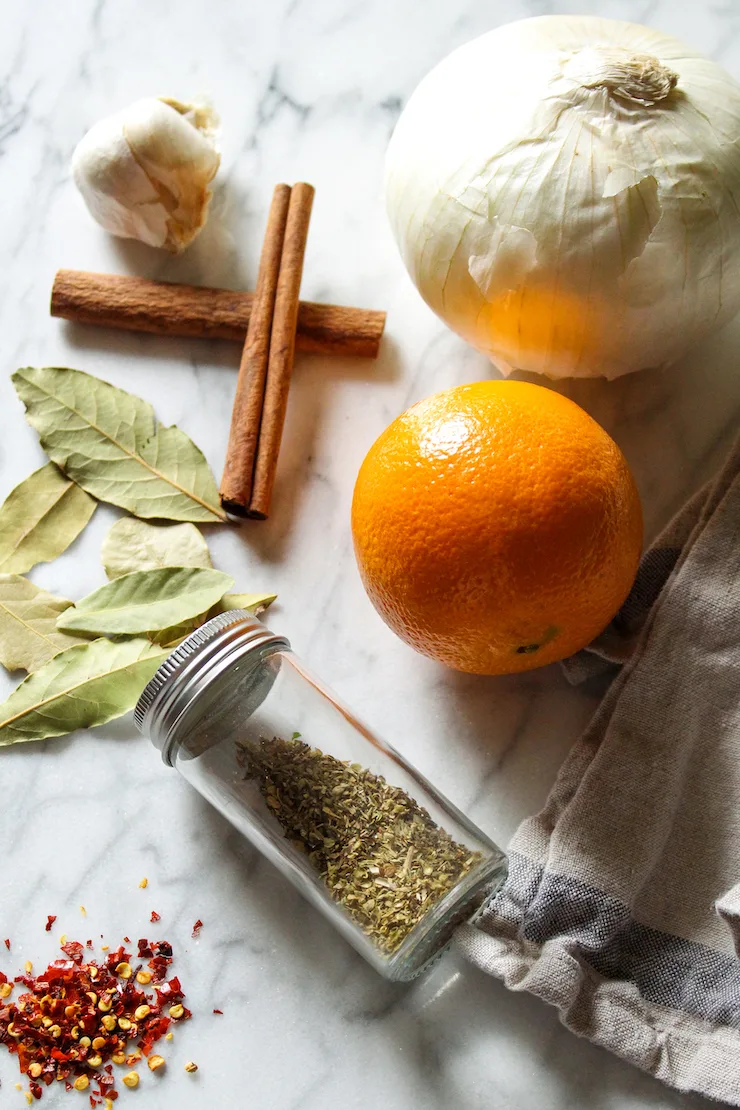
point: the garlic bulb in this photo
(144, 172)
(565, 193)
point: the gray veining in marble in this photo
(306, 89)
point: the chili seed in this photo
(81, 1022)
(191, 1066)
(144, 884)
(124, 970)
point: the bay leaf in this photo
(254, 603)
(133, 544)
(110, 443)
(170, 637)
(146, 601)
(84, 686)
(28, 624)
(40, 518)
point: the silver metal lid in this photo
(192, 666)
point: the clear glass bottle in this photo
(365, 837)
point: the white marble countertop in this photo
(306, 89)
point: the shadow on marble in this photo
(274, 921)
(315, 380)
(461, 1039)
(214, 353)
(462, 1018)
(517, 730)
(675, 425)
(213, 258)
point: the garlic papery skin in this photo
(565, 194)
(144, 172)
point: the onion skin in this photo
(565, 194)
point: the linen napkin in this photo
(622, 905)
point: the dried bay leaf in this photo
(28, 624)
(86, 685)
(110, 443)
(170, 637)
(254, 603)
(40, 518)
(133, 544)
(147, 601)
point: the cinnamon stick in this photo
(166, 308)
(282, 349)
(246, 416)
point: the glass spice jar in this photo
(364, 836)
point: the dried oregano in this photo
(380, 854)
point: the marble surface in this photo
(306, 89)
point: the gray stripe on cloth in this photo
(667, 970)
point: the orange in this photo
(497, 527)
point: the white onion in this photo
(565, 193)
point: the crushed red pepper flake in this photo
(61, 1027)
(197, 928)
(218, 1011)
(50, 921)
(74, 950)
(155, 917)
(6, 942)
